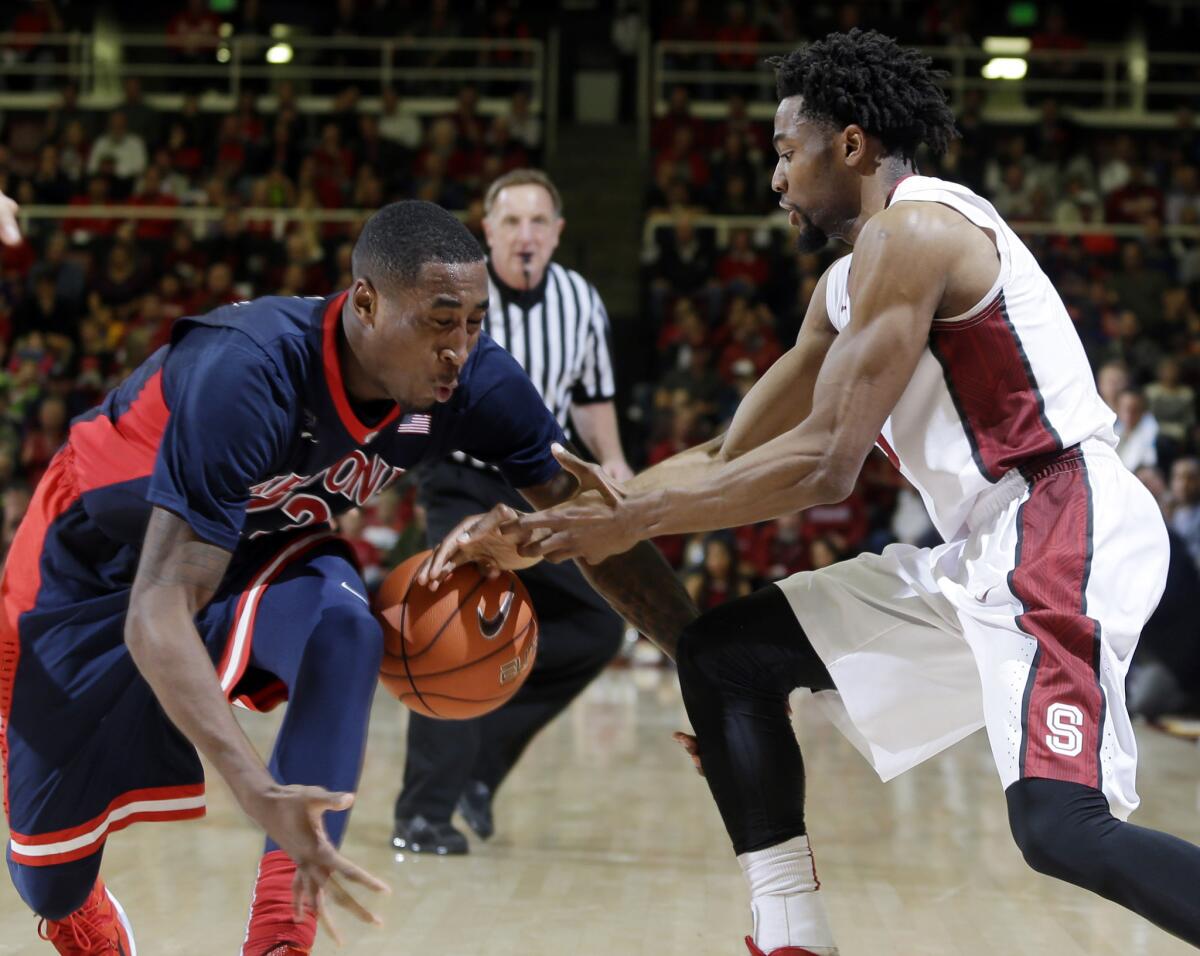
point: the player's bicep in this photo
(782, 398)
(896, 285)
(176, 567)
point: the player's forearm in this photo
(169, 654)
(787, 474)
(597, 425)
(643, 589)
(701, 459)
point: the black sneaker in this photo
(418, 835)
(475, 805)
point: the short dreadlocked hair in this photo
(865, 78)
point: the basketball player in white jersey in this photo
(941, 340)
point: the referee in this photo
(553, 322)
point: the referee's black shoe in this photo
(475, 806)
(419, 835)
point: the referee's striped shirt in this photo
(559, 332)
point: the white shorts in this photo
(1026, 626)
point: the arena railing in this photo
(1100, 85)
(279, 218)
(99, 64)
(722, 226)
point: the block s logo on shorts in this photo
(1065, 737)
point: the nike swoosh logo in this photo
(489, 627)
(356, 594)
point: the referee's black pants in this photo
(578, 635)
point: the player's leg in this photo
(876, 628)
(577, 638)
(313, 629)
(55, 892)
(1088, 569)
(737, 665)
(1066, 830)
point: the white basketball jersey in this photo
(1003, 384)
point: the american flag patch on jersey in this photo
(414, 425)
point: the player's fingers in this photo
(321, 800)
(298, 891)
(589, 476)
(347, 902)
(325, 918)
(357, 874)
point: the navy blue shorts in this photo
(86, 748)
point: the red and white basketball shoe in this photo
(786, 951)
(98, 926)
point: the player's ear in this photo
(854, 144)
(364, 299)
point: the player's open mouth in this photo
(442, 390)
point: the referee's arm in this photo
(592, 410)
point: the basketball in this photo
(460, 651)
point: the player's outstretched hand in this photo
(292, 817)
(479, 540)
(10, 232)
(592, 526)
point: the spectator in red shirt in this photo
(750, 337)
(686, 163)
(741, 267)
(82, 229)
(333, 167)
(844, 524)
(150, 193)
(678, 115)
(738, 29)
(192, 34)
(779, 548)
(1136, 200)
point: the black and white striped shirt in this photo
(559, 332)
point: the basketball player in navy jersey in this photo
(178, 555)
(941, 340)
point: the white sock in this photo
(788, 909)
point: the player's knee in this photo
(349, 641)
(697, 656)
(51, 892)
(1055, 825)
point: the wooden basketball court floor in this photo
(608, 844)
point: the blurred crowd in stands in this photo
(85, 299)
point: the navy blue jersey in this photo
(242, 426)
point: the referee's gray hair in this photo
(522, 177)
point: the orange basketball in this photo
(459, 651)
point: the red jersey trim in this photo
(333, 378)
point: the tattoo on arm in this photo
(172, 556)
(643, 589)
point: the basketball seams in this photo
(401, 666)
(502, 648)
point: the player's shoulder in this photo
(270, 322)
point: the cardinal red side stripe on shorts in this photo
(153, 803)
(993, 389)
(22, 579)
(236, 655)
(1063, 703)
